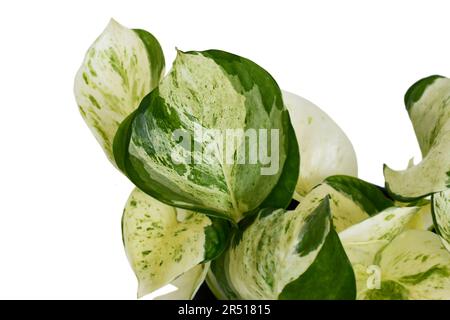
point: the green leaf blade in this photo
(321, 283)
(217, 91)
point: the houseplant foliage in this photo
(300, 226)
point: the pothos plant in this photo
(226, 222)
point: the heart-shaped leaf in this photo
(119, 69)
(214, 137)
(162, 242)
(285, 255)
(392, 262)
(414, 266)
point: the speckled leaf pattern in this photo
(364, 240)
(162, 242)
(441, 214)
(207, 208)
(351, 201)
(209, 90)
(382, 226)
(119, 69)
(428, 105)
(412, 264)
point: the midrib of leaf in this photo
(227, 178)
(225, 173)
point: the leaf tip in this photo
(113, 23)
(415, 92)
(113, 26)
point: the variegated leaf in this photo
(423, 219)
(382, 226)
(163, 242)
(119, 69)
(363, 241)
(168, 149)
(428, 105)
(324, 148)
(414, 266)
(441, 215)
(352, 200)
(408, 263)
(286, 255)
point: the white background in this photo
(61, 200)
